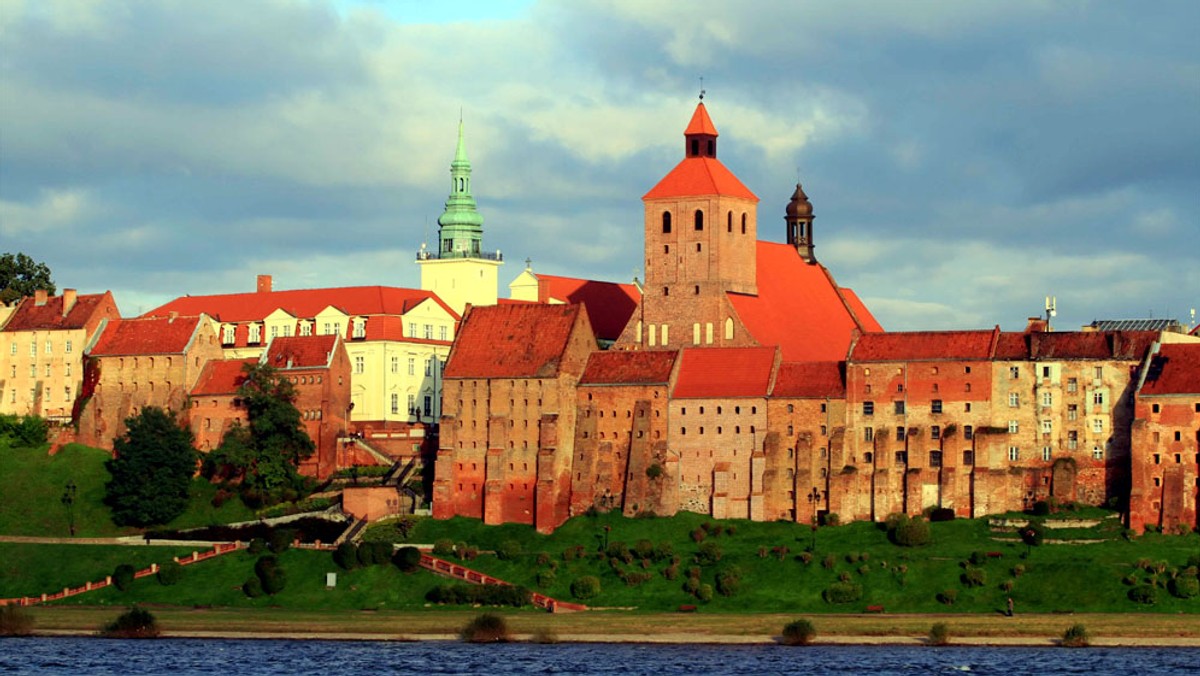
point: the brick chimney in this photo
(264, 283)
(69, 297)
(1036, 325)
(39, 297)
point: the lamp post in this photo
(814, 499)
(68, 500)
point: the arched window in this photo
(666, 221)
(728, 328)
(743, 223)
(729, 222)
(699, 219)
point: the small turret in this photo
(799, 218)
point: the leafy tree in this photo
(152, 470)
(20, 276)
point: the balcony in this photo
(426, 255)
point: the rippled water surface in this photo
(335, 658)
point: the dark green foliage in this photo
(486, 628)
(482, 594)
(170, 573)
(270, 574)
(1184, 586)
(281, 539)
(939, 634)
(443, 547)
(133, 623)
(908, 531)
(799, 632)
(947, 597)
(122, 577)
(21, 276)
(27, 431)
(941, 514)
(406, 559)
(375, 553)
(644, 549)
(1041, 508)
(1076, 636)
(545, 578)
(842, 592)
(585, 587)
(654, 471)
(508, 550)
(152, 470)
(15, 621)
(699, 534)
(709, 553)
(1144, 594)
(978, 558)
(729, 581)
(346, 556)
(974, 577)
(705, 593)
(831, 519)
(257, 546)
(252, 587)
(1033, 534)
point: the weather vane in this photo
(701, 88)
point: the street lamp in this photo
(814, 499)
(68, 500)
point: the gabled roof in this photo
(304, 303)
(1048, 346)
(699, 176)
(609, 305)
(147, 335)
(1174, 370)
(29, 316)
(628, 367)
(812, 379)
(512, 341)
(700, 123)
(221, 377)
(800, 308)
(710, 372)
(299, 352)
(918, 345)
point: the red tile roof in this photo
(304, 303)
(609, 305)
(710, 372)
(800, 308)
(1045, 346)
(512, 341)
(301, 351)
(147, 335)
(917, 345)
(221, 376)
(1174, 370)
(701, 123)
(699, 176)
(29, 316)
(812, 379)
(629, 367)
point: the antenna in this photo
(1051, 309)
(702, 88)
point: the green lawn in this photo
(33, 483)
(30, 570)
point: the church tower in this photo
(799, 218)
(701, 243)
(459, 271)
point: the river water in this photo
(337, 658)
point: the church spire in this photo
(799, 218)
(460, 231)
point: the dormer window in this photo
(228, 333)
(360, 329)
(255, 333)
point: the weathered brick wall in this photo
(1165, 463)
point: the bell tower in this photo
(799, 218)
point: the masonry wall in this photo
(1165, 463)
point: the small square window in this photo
(935, 406)
(899, 407)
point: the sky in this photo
(964, 159)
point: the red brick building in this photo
(1166, 441)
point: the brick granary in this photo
(748, 384)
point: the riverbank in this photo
(1127, 630)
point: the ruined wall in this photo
(1165, 463)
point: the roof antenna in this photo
(701, 89)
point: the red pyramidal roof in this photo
(1174, 370)
(147, 335)
(701, 123)
(522, 340)
(708, 372)
(609, 305)
(800, 308)
(622, 367)
(699, 176)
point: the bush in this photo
(799, 632)
(508, 550)
(939, 634)
(270, 574)
(545, 578)
(710, 553)
(1033, 534)
(257, 546)
(15, 621)
(842, 592)
(375, 553)
(978, 558)
(407, 559)
(443, 547)
(170, 573)
(122, 577)
(729, 581)
(705, 593)
(908, 531)
(1041, 508)
(346, 556)
(654, 471)
(941, 514)
(485, 594)
(585, 587)
(1018, 570)
(281, 539)
(252, 587)
(699, 534)
(133, 623)
(947, 597)
(831, 519)
(974, 577)
(1144, 594)
(487, 628)
(1184, 587)
(1076, 636)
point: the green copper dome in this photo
(460, 232)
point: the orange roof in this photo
(221, 376)
(918, 345)
(303, 303)
(628, 367)
(1128, 345)
(29, 316)
(609, 305)
(811, 379)
(800, 308)
(699, 176)
(298, 352)
(701, 123)
(709, 372)
(1174, 370)
(147, 335)
(512, 341)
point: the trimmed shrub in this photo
(939, 634)
(842, 592)
(1033, 534)
(664, 550)
(270, 574)
(508, 550)
(15, 621)
(710, 553)
(170, 573)
(545, 578)
(691, 585)
(974, 577)
(1184, 587)
(252, 587)
(585, 587)
(909, 532)
(487, 628)
(122, 577)
(829, 561)
(644, 549)
(443, 547)
(699, 534)
(1144, 594)
(705, 593)
(281, 539)
(978, 558)
(543, 559)
(947, 597)
(831, 519)
(257, 546)
(799, 632)
(941, 514)
(1018, 570)
(346, 556)
(1076, 636)
(133, 623)
(1041, 508)
(485, 594)
(407, 559)
(729, 581)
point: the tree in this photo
(152, 470)
(20, 276)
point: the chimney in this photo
(69, 296)
(1036, 325)
(264, 283)
(39, 297)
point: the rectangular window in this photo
(1097, 425)
(360, 364)
(899, 408)
(429, 332)
(1047, 398)
(1045, 371)
(1072, 411)
(968, 458)
(33, 370)
(395, 364)
(49, 347)
(935, 406)
(395, 402)
(868, 408)
(428, 367)
(1013, 427)
(306, 329)
(47, 370)
(428, 406)
(1072, 440)
(901, 457)
(33, 348)
(935, 432)
(67, 393)
(1098, 398)
(274, 331)
(12, 348)
(1047, 427)
(967, 407)
(287, 330)
(1097, 453)
(360, 329)
(1014, 400)
(412, 329)
(443, 333)
(1072, 385)
(1014, 372)
(968, 432)
(868, 434)
(412, 404)
(899, 434)
(68, 347)
(1014, 453)
(935, 458)
(255, 333)
(412, 366)
(227, 334)
(1099, 373)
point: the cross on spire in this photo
(701, 88)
